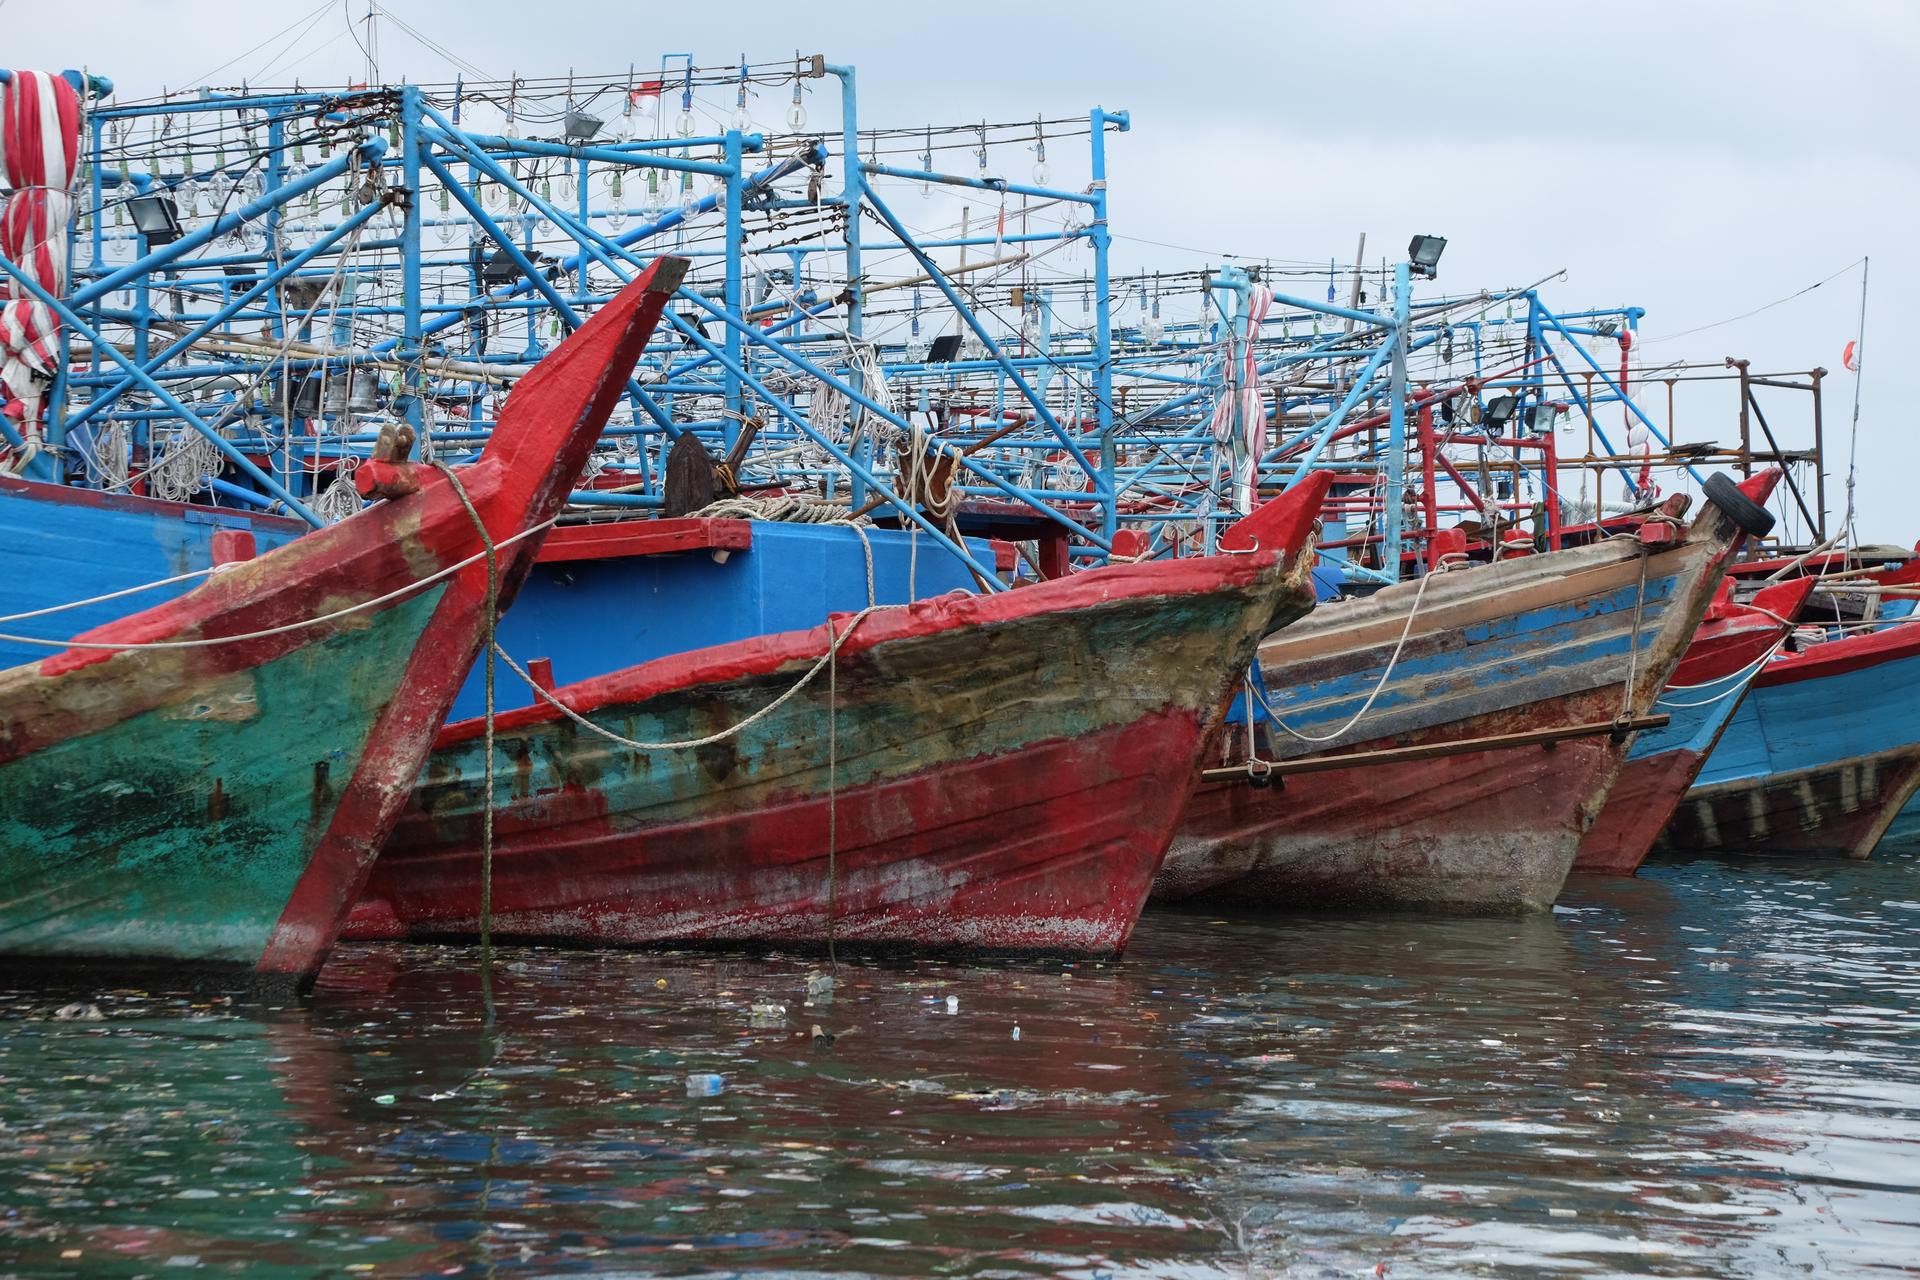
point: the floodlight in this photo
(1498, 413)
(155, 217)
(579, 127)
(1423, 253)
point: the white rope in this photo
(111, 595)
(791, 508)
(339, 499)
(1740, 680)
(1386, 675)
(186, 461)
(838, 638)
(337, 614)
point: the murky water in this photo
(1712, 1071)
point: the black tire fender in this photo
(1753, 519)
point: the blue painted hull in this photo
(588, 617)
(1818, 765)
(1696, 717)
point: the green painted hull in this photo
(180, 833)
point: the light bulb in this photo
(797, 115)
(685, 124)
(1152, 330)
(623, 128)
(1042, 171)
(567, 189)
(616, 202)
(741, 122)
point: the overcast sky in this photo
(1697, 159)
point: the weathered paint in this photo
(593, 616)
(1006, 771)
(1820, 757)
(146, 789)
(1535, 643)
(1705, 692)
(59, 543)
(600, 596)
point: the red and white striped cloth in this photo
(39, 154)
(1247, 396)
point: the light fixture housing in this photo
(578, 126)
(499, 269)
(1540, 418)
(1423, 254)
(155, 217)
(1498, 413)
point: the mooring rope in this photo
(334, 616)
(111, 595)
(1739, 679)
(1633, 641)
(488, 622)
(1392, 661)
(827, 660)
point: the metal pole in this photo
(1397, 424)
(220, 442)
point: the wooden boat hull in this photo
(1706, 691)
(1517, 647)
(1819, 759)
(992, 773)
(216, 805)
(1473, 833)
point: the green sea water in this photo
(1713, 1070)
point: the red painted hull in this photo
(1492, 652)
(1650, 788)
(1049, 850)
(1007, 774)
(1643, 798)
(1486, 832)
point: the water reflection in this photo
(1708, 1071)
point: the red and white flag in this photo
(39, 153)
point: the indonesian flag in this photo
(39, 152)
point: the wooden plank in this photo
(625, 538)
(1432, 750)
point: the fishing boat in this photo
(993, 773)
(1820, 758)
(205, 783)
(1734, 643)
(1444, 744)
